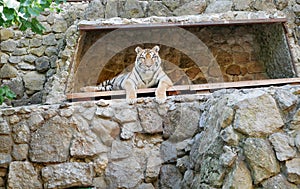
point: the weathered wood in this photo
(199, 89)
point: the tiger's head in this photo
(147, 60)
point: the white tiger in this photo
(147, 72)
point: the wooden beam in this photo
(180, 24)
(195, 88)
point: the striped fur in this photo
(147, 72)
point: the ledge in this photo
(92, 92)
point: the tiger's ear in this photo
(156, 48)
(138, 49)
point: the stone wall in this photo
(37, 67)
(230, 139)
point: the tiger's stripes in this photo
(147, 72)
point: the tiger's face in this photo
(147, 60)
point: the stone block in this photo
(8, 71)
(42, 64)
(8, 46)
(59, 26)
(5, 160)
(20, 152)
(170, 177)
(261, 159)
(21, 133)
(278, 181)
(34, 81)
(281, 144)
(51, 141)
(67, 175)
(23, 175)
(6, 33)
(219, 6)
(191, 8)
(151, 122)
(293, 170)
(257, 114)
(6, 144)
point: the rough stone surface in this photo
(47, 146)
(261, 159)
(293, 170)
(34, 81)
(278, 181)
(67, 175)
(23, 175)
(283, 149)
(257, 115)
(219, 6)
(7, 71)
(151, 122)
(170, 177)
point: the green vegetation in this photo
(23, 13)
(6, 93)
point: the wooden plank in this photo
(180, 24)
(199, 88)
(238, 84)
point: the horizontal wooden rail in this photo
(92, 91)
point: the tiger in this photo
(147, 72)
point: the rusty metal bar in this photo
(162, 25)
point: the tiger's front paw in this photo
(131, 100)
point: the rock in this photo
(126, 115)
(23, 175)
(59, 26)
(186, 124)
(51, 51)
(36, 98)
(16, 85)
(146, 186)
(4, 127)
(219, 6)
(99, 182)
(3, 58)
(239, 177)
(120, 150)
(111, 9)
(264, 5)
(183, 163)
(106, 130)
(293, 170)
(242, 5)
(37, 51)
(171, 4)
(170, 177)
(15, 59)
(29, 58)
(26, 66)
(95, 10)
(228, 157)
(8, 46)
(51, 142)
(233, 70)
(5, 160)
(230, 136)
(34, 81)
(191, 8)
(86, 144)
(168, 152)
(42, 64)
(257, 115)
(151, 122)
(156, 8)
(67, 175)
(297, 141)
(278, 181)
(20, 152)
(125, 173)
(261, 158)
(281, 4)
(282, 147)
(6, 33)
(19, 52)
(6, 144)
(35, 121)
(35, 42)
(129, 129)
(132, 9)
(296, 9)
(154, 162)
(21, 133)
(285, 99)
(8, 71)
(49, 39)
